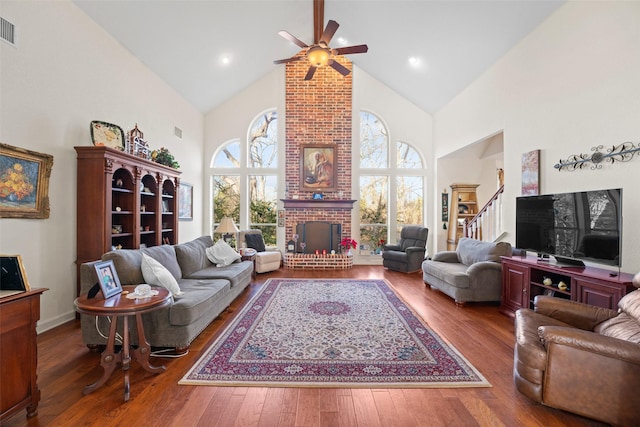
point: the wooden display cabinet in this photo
(123, 202)
(523, 279)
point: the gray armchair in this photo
(408, 254)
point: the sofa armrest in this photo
(478, 267)
(576, 314)
(88, 276)
(415, 250)
(446, 256)
(591, 342)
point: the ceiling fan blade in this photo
(361, 48)
(329, 31)
(293, 39)
(339, 68)
(283, 61)
(311, 72)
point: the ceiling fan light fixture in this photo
(318, 56)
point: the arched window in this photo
(391, 181)
(251, 167)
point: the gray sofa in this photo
(472, 272)
(208, 291)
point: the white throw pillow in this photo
(156, 274)
(221, 254)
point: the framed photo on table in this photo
(318, 167)
(108, 279)
(13, 278)
(24, 183)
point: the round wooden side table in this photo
(121, 306)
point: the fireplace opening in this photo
(318, 236)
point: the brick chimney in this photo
(318, 111)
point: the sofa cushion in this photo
(221, 254)
(630, 304)
(454, 274)
(471, 251)
(235, 273)
(156, 274)
(198, 299)
(255, 241)
(128, 265)
(192, 255)
(626, 325)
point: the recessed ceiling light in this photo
(342, 40)
(414, 60)
(225, 60)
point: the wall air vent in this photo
(177, 132)
(7, 31)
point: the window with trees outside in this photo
(392, 183)
(256, 207)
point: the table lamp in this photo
(227, 228)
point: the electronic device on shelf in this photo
(572, 227)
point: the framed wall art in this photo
(108, 278)
(317, 167)
(185, 202)
(24, 183)
(531, 173)
(13, 277)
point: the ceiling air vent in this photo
(7, 31)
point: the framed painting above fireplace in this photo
(317, 167)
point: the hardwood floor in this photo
(479, 332)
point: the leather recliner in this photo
(408, 254)
(580, 358)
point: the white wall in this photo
(570, 85)
(64, 73)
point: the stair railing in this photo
(487, 224)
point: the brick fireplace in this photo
(318, 111)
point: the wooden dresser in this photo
(19, 314)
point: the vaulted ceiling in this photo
(209, 50)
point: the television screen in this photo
(584, 225)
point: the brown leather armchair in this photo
(580, 358)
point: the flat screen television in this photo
(572, 227)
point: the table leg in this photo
(141, 354)
(108, 359)
(126, 357)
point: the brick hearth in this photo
(318, 262)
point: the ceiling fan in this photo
(319, 53)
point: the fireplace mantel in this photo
(317, 204)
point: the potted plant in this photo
(347, 243)
(164, 157)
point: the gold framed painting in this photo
(24, 183)
(318, 167)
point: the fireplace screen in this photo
(318, 236)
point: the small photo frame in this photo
(318, 196)
(13, 278)
(108, 279)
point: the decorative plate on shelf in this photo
(107, 135)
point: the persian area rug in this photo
(331, 333)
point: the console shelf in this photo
(523, 280)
